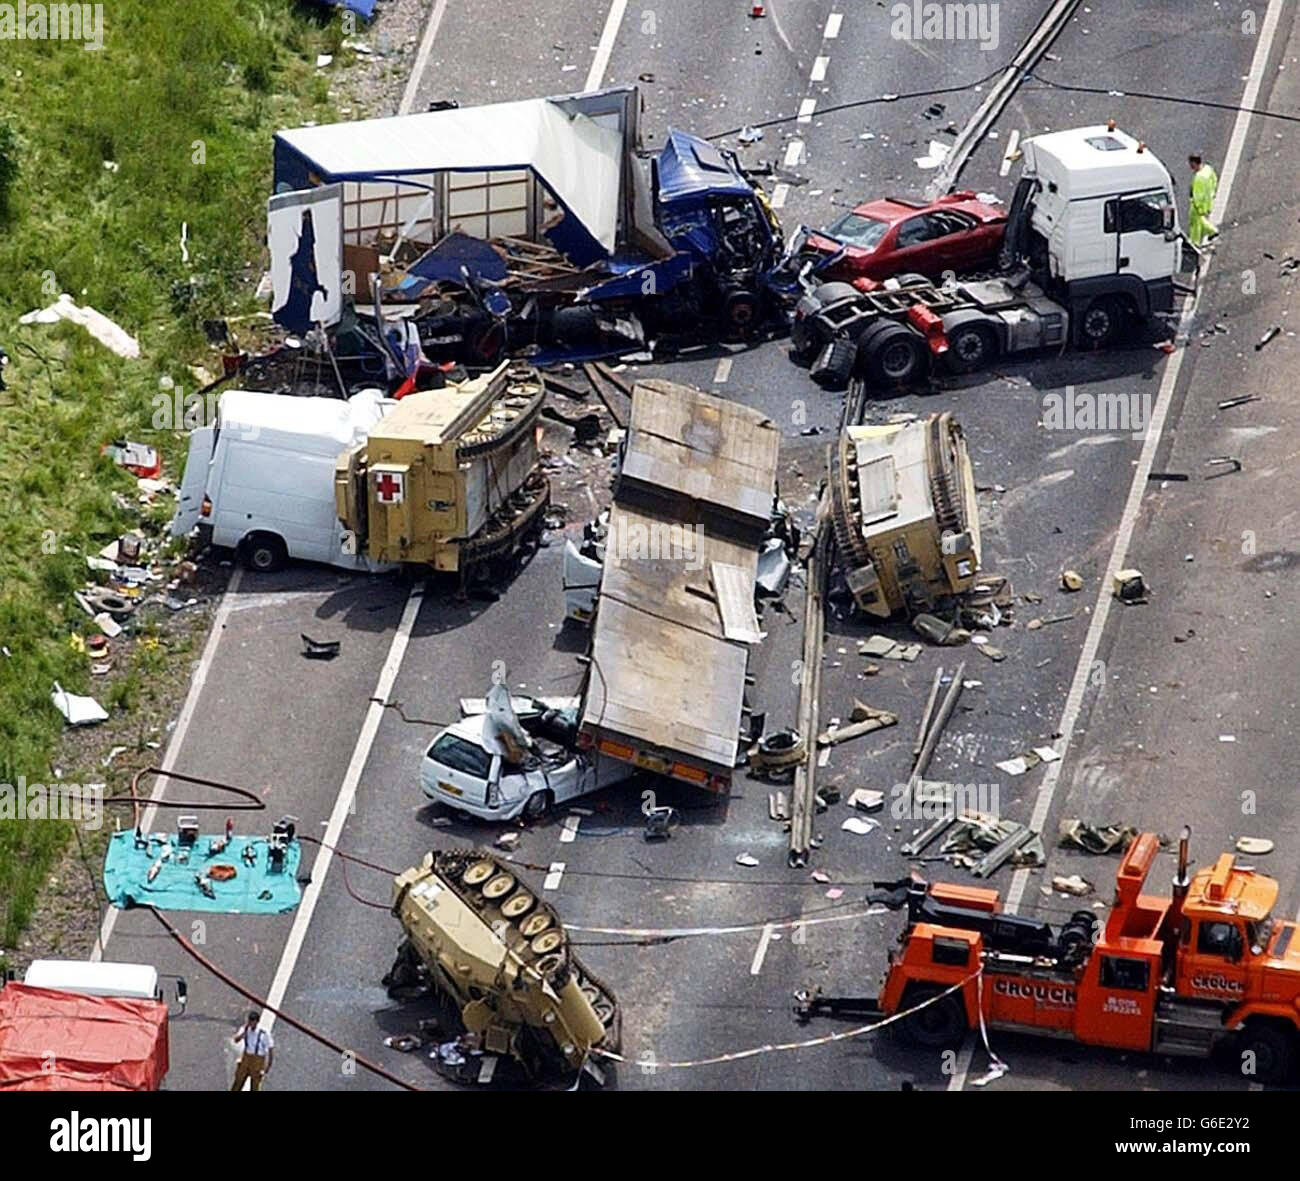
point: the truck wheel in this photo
(740, 312)
(1274, 1049)
(1102, 322)
(834, 364)
(537, 805)
(936, 1026)
(971, 347)
(895, 356)
(264, 552)
(831, 292)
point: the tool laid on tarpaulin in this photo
(153, 868)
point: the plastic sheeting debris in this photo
(78, 711)
(112, 337)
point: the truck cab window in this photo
(1129, 215)
(1220, 939)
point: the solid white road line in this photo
(1124, 537)
(343, 804)
(761, 951)
(177, 739)
(605, 47)
(722, 372)
(819, 69)
(833, 23)
(1009, 156)
(422, 58)
(806, 109)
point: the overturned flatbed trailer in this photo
(675, 613)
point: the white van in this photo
(260, 480)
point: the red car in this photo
(882, 239)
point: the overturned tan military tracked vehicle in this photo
(452, 477)
(904, 514)
(501, 955)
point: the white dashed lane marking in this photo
(552, 881)
(833, 23)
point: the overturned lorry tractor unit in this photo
(1092, 246)
(904, 514)
(501, 957)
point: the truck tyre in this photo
(971, 347)
(740, 312)
(834, 364)
(264, 552)
(1102, 322)
(832, 292)
(537, 805)
(939, 1025)
(895, 356)
(1274, 1048)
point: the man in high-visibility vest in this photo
(1205, 183)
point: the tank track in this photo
(943, 491)
(513, 413)
(528, 926)
(846, 515)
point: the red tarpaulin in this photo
(62, 1041)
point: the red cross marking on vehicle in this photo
(388, 488)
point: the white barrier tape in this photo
(689, 932)
(782, 1047)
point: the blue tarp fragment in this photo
(365, 9)
(253, 890)
(442, 264)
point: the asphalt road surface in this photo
(1190, 699)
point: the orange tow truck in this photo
(1206, 970)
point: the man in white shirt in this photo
(259, 1049)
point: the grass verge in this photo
(104, 155)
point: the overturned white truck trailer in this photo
(675, 616)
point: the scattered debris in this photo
(404, 1043)
(1254, 846)
(1268, 337)
(999, 840)
(77, 711)
(883, 648)
(747, 860)
(866, 800)
(778, 806)
(1096, 838)
(1130, 587)
(1226, 462)
(1229, 403)
(1074, 884)
(939, 631)
(859, 826)
(319, 649)
(96, 323)
(507, 840)
(866, 719)
(1071, 580)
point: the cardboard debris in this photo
(1096, 838)
(883, 648)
